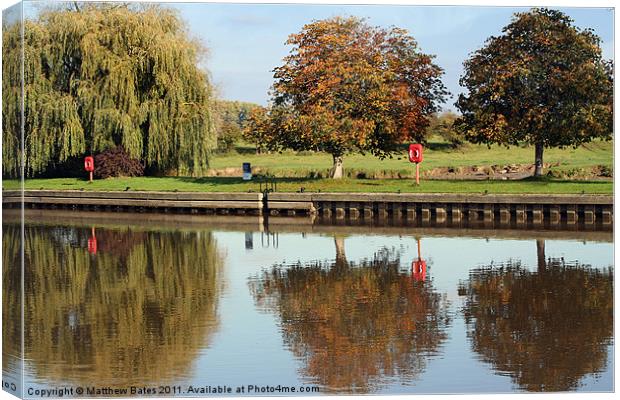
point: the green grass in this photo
(222, 184)
(436, 154)
(296, 171)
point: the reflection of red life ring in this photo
(92, 245)
(419, 270)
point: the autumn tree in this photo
(99, 76)
(543, 82)
(258, 129)
(355, 324)
(347, 86)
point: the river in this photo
(191, 305)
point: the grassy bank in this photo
(223, 184)
(563, 163)
(307, 170)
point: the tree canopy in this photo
(347, 86)
(135, 313)
(231, 120)
(105, 75)
(543, 82)
(442, 124)
(545, 329)
(355, 325)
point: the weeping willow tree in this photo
(104, 75)
(137, 312)
(11, 89)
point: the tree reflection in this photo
(355, 326)
(11, 300)
(546, 329)
(137, 312)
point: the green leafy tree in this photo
(228, 135)
(99, 76)
(231, 120)
(442, 124)
(236, 112)
(350, 87)
(543, 82)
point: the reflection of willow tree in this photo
(11, 298)
(546, 329)
(132, 314)
(355, 324)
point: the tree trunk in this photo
(538, 160)
(336, 171)
(540, 255)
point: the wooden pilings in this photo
(436, 208)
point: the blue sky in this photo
(246, 41)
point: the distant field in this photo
(566, 163)
(223, 184)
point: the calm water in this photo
(204, 302)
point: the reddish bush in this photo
(116, 162)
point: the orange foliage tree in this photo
(355, 326)
(350, 87)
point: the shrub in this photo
(116, 162)
(606, 171)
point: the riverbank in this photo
(448, 209)
(292, 185)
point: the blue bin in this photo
(247, 171)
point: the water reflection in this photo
(547, 328)
(355, 325)
(11, 308)
(135, 311)
(142, 304)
